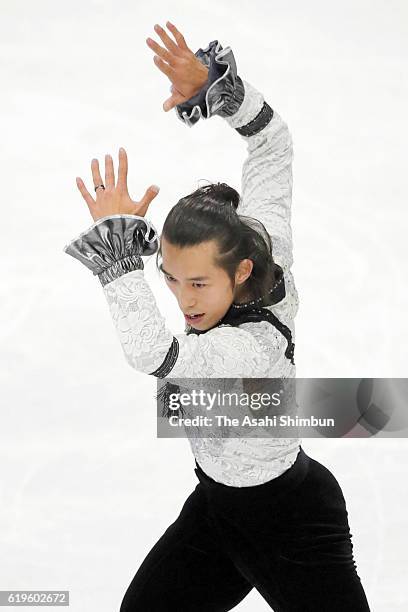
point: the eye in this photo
(199, 285)
(169, 278)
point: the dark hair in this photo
(210, 213)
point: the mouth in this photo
(194, 319)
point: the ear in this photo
(243, 271)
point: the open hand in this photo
(114, 199)
(185, 71)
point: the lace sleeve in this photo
(267, 171)
(112, 248)
(150, 347)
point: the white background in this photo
(86, 488)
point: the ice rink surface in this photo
(86, 488)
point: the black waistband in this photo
(281, 484)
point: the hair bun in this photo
(228, 194)
(221, 194)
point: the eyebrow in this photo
(196, 278)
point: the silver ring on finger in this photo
(97, 186)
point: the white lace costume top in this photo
(254, 349)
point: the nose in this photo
(186, 300)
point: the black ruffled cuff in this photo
(223, 92)
(114, 246)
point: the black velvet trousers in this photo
(289, 538)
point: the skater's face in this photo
(199, 285)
